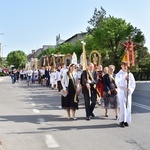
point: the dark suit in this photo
(89, 107)
(47, 76)
(108, 83)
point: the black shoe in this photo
(106, 115)
(126, 124)
(88, 118)
(92, 115)
(116, 117)
(121, 124)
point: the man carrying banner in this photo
(124, 94)
(88, 83)
(126, 85)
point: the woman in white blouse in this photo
(69, 83)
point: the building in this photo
(59, 41)
(76, 37)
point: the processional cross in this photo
(129, 52)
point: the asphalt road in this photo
(31, 119)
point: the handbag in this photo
(114, 92)
(63, 93)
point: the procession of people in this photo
(97, 85)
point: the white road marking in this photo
(51, 143)
(41, 121)
(33, 104)
(141, 106)
(29, 98)
(36, 111)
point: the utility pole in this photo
(0, 51)
(0, 47)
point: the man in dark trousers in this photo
(47, 76)
(88, 82)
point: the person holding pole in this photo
(88, 85)
(126, 85)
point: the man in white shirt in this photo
(63, 70)
(29, 75)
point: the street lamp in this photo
(2, 55)
(0, 46)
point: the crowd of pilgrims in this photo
(96, 84)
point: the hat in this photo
(125, 63)
(124, 60)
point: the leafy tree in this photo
(96, 20)
(17, 58)
(47, 52)
(65, 48)
(143, 59)
(3, 62)
(108, 34)
(90, 43)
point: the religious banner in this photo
(95, 58)
(67, 59)
(130, 52)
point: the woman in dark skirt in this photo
(110, 90)
(69, 83)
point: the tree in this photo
(65, 48)
(96, 20)
(47, 52)
(108, 34)
(17, 58)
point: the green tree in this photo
(65, 48)
(69, 48)
(17, 58)
(47, 52)
(96, 20)
(108, 34)
(143, 59)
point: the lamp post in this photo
(0, 46)
(0, 51)
(2, 55)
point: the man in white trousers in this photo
(126, 85)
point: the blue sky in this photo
(30, 24)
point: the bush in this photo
(2, 74)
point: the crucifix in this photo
(130, 51)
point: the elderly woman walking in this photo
(110, 90)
